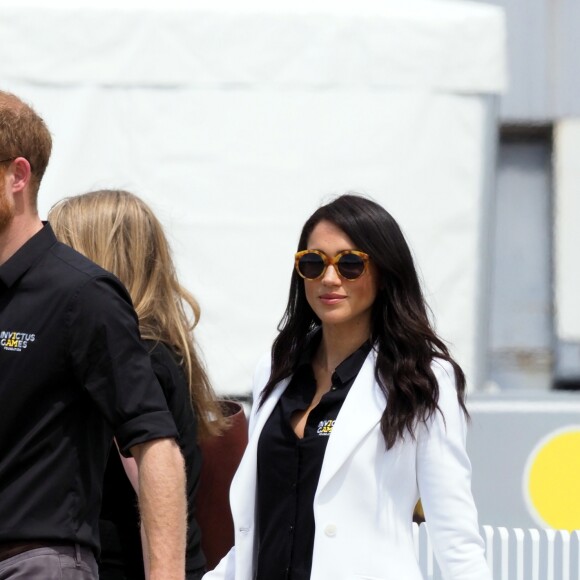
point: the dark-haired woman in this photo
(358, 412)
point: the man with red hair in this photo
(73, 376)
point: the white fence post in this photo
(514, 554)
(517, 560)
(575, 555)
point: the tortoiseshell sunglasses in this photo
(349, 264)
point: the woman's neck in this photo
(337, 344)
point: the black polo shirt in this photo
(73, 372)
(289, 467)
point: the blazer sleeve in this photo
(444, 480)
(226, 569)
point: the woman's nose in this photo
(331, 277)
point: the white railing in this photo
(515, 554)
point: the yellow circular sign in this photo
(552, 480)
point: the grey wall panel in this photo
(566, 65)
(544, 71)
(521, 325)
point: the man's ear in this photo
(21, 174)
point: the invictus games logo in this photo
(15, 341)
(325, 427)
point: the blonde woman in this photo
(118, 231)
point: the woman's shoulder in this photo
(161, 353)
(261, 373)
(264, 363)
(166, 365)
(446, 381)
(442, 368)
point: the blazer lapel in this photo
(266, 409)
(243, 493)
(360, 413)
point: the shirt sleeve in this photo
(444, 478)
(112, 365)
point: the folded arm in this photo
(163, 507)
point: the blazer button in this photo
(330, 530)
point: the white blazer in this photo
(365, 496)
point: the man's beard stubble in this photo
(6, 212)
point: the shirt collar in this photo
(27, 255)
(349, 368)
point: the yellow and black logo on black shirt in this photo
(15, 341)
(325, 427)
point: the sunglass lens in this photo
(351, 266)
(311, 265)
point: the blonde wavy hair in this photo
(120, 232)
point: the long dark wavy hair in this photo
(401, 332)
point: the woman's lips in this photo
(331, 298)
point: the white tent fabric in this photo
(235, 122)
(439, 45)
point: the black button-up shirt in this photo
(73, 372)
(289, 468)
